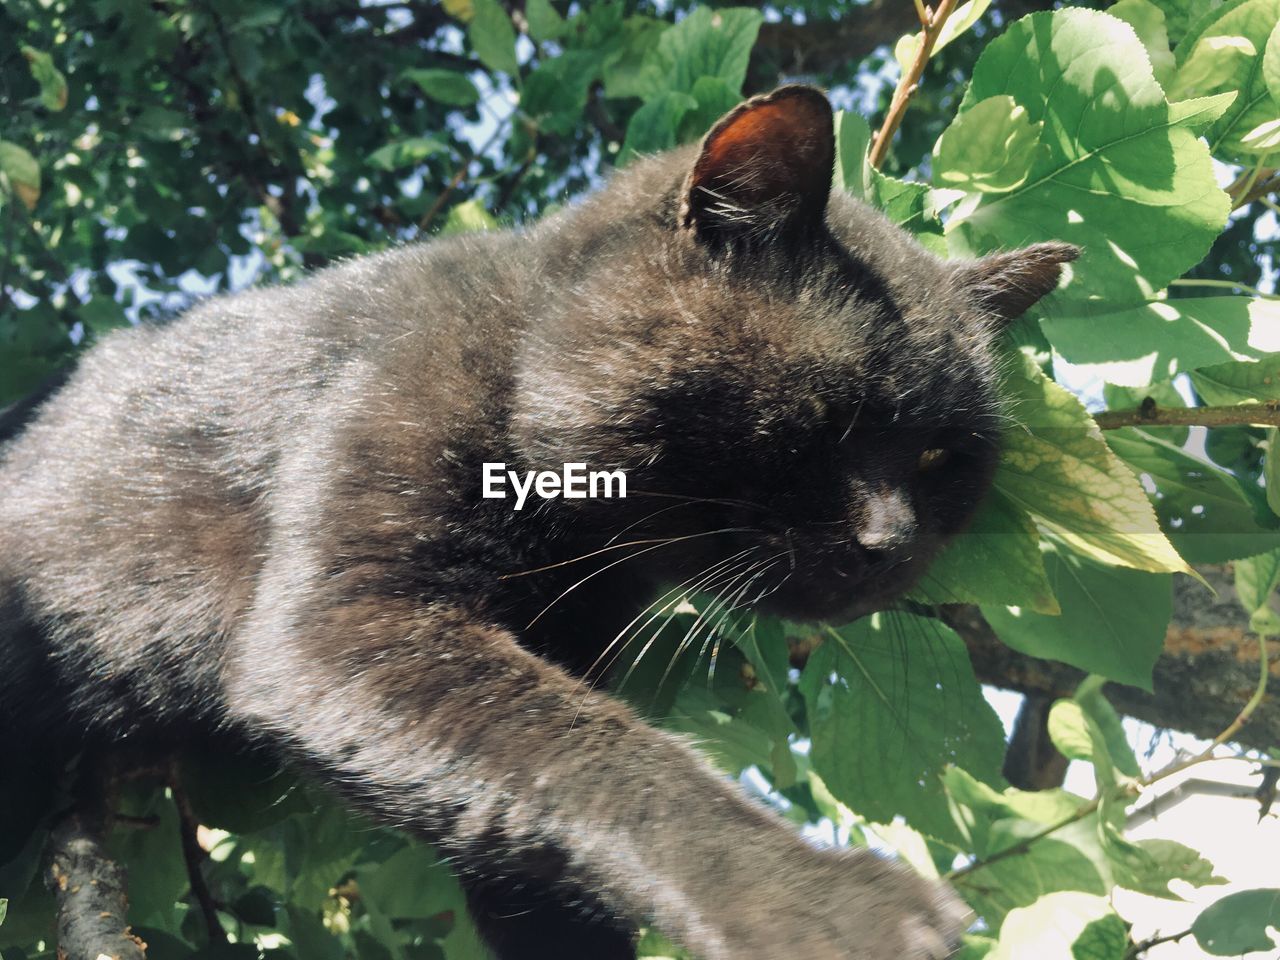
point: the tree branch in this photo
(1207, 673)
(89, 887)
(1151, 414)
(1031, 761)
(931, 22)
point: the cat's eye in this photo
(932, 459)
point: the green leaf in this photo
(492, 36)
(1226, 52)
(1057, 467)
(1106, 938)
(1271, 64)
(156, 868)
(1049, 928)
(555, 94)
(623, 71)
(1247, 382)
(405, 153)
(961, 19)
(544, 22)
(1040, 806)
(1256, 580)
(21, 170)
(310, 938)
(995, 560)
(975, 947)
(1138, 345)
(654, 126)
(715, 98)
(1069, 730)
(1107, 723)
(1203, 508)
(102, 315)
(468, 217)
(909, 205)
(706, 43)
(1113, 620)
(882, 733)
(1118, 172)
(1200, 113)
(1148, 23)
(4, 909)
(53, 85)
(444, 86)
(242, 794)
(991, 147)
(1238, 923)
(1271, 470)
(1181, 14)
(1049, 866)
(1168, 860)
(852, 138)
(415, 883)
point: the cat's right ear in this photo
(765, 168)
(1007, 285)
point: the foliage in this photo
(151, 150)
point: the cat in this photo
(266, 517)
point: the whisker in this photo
(626, 635)
(715, 650)
(725, 501)
(686, 641)
(631, 556)
(705, 584)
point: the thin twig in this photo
(931, 22)
(1252, 185)
(1225, 285)
(1022, 846)
(1138, 949)
(194, 855)
(1153, 415)
(460, 174)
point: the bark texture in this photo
(1208, 670)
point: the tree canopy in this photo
(155, 151)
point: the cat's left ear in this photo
(1007, 285)
(764, 168)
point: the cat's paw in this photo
(846, 906)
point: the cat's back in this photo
(137, 506)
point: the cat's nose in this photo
(888, 525)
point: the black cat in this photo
(267, 517)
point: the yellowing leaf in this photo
(460, 9)
(53, 85)
(1057, 467)
(22, 171)
(995, 560)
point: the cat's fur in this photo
(266, 517)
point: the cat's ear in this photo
(764, 168)
(1007, 285)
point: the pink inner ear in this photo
(773, 154)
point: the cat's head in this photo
(797, 389)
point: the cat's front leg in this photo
(438, 722)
